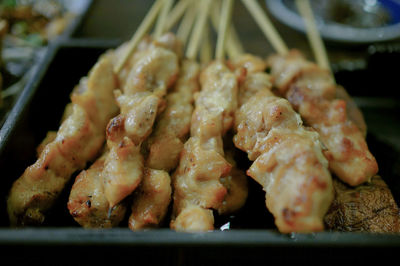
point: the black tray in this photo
(253, 234)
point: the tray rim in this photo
(38, 72)
(76, 22)
(167, 237)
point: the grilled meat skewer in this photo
(288, 159)
(196, 182)
(312, 93)
(126, 132)
(78, 141)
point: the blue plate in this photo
(285, 12)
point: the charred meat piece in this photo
(367, 208)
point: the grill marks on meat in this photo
(196, 181)
(288, 158)
(312, 93)
(78, 140)
(367, 208)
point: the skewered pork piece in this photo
(173, 125)
(312, 93)
(164, 145)
(125, 157)
(197, 185)
(78, 141)
(87, 203)
(367, 208)
(167, 41)
(235, 182)
(151, 200)
(288, 159)
(142, 99)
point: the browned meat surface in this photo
(312, 93)
(235, 183)
(87, 203)
(50, 137)
(154, 70)
(78, 141)
(367, 208)
(164, 145)
(288, 159)
(151, 200)
(122, 172)
(197, 185)
(173, 125)
(124, 165)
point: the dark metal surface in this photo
(166, 237)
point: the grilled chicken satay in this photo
(367, 208)
(167, 41)
(288, 158)
(141, 100)
(163, 147)
(173, 125)
(312, 92)
(87, 203)
(125, 157)
(78, 140)
(151, 200)
(197, 180)
(235, 183)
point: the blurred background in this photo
(27, 28)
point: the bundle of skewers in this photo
(156, 123)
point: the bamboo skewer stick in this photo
(223, 28)
(322, 59)
(176, 13)
(198, 29)
(161, 21)
(206, 47)
(266, 26)
(313, 35)
(186, 24)
(233, 39)
(232, 45)
(139, 34)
